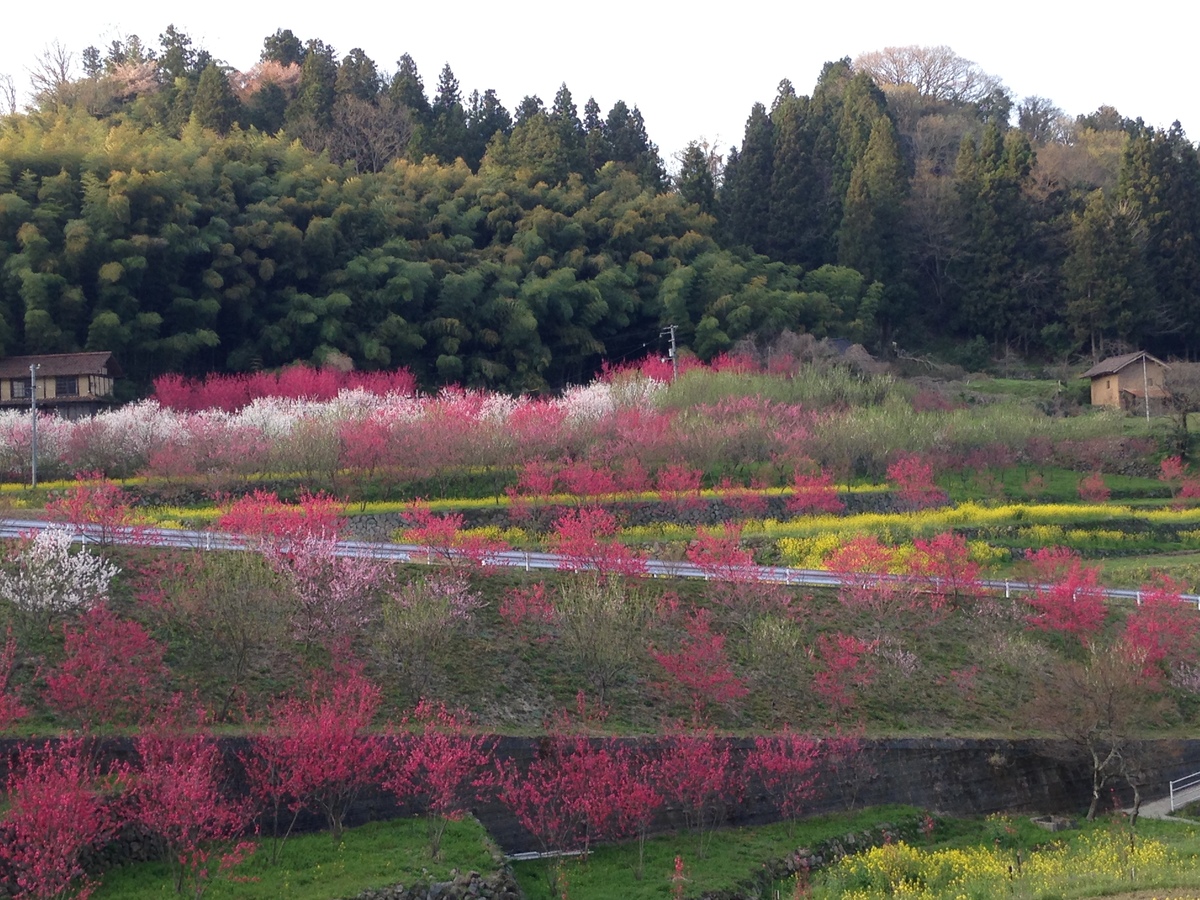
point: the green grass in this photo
(313, 867)
(1045, 485)
(731, 856)
(1019, 388)
(1133, 571)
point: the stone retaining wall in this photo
(950, 776)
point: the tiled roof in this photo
(51, 365)
(1115, 364)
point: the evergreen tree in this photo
(793, 221)
(746, 189)
(93, 66)
(408, 88)
(266, 109)
(630, 146)
(564, 117)
(868, 239)
(695, 180)
(1160, 177)
(178, 58)
(284, 48)
(998, 231)
(357, 76)
(486, 117)
(215, 105)
(596, 146)
(310, 114)
(448, 120)
(530, 107)
(1107, 281)
(862, 105)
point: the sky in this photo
(694, 74)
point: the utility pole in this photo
(1146, 387)
(670, 329)
(33, 416)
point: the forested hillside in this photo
(195, 218)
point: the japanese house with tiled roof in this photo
(70, 384)
(1126, 382)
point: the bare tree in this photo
(1182, 385)
(51, 75)
(371, 134)
(936, 72)
(1099, 709)
(8, 95)
(1042, 121)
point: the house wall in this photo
(1106, 389)
(47, 388)
(1130, 377)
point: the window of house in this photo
(66, 386)
(20, 388)
(1107, 383)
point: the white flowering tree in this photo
(44, 579)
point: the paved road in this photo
(523, 559)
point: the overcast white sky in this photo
(694, 69)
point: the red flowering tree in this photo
(698, 777)
(586, 541)
(1067, 596)
(528, 609)
(317, 751)
(579, 789)
(55, 812)
(787, 765)
(680, 484)
(814, 493)
(1093, 489)
(869, 583)
(1162, 629)
(112, 674)
(98, 506)
(179, 794)
(1189, 490)
(913, 477)
(584, 481)
(1171, 472)
(943, 569)
(444, 537)
(720, 556)
(636, 800)
(441, 759)
(843, 667)
(699, 672)
(546, 796)
(261, 518)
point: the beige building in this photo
(1125, 382)
(71, 384)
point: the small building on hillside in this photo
(1126, 382)
(73, 385)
